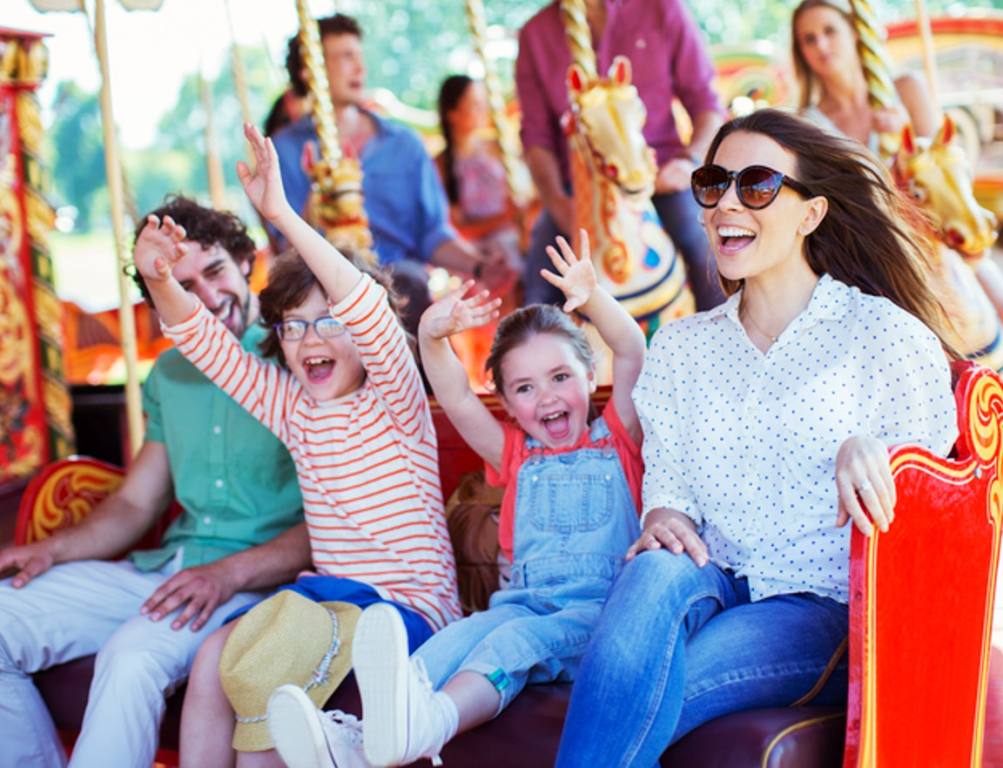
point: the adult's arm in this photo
(546, 173)
(201, 590)
(915, 97)
(113, 526)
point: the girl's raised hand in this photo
(576, 276)
(453, 313)
(263, 185)
(158, 248)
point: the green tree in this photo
(77, 151)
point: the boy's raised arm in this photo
(158, 248)
(263, 186)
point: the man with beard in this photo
(240, 531)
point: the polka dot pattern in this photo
(745, 442)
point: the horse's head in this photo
(938, 178)
(609, 115)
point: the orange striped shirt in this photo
(367, 463)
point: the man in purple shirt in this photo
(669, 61)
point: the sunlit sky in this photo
(151, 52)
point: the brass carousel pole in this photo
(509, 153)
(127, 321)
(929, 59)
(214, 166)
(239, 72)
(576, 28)
(877, 67)
(336, 202)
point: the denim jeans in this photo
(574, 519)
(680, 218)
(677, 646)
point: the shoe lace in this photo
(347, 727)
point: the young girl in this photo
(348, 401)
(569, 513)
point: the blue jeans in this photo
(680, 216)
(677, 646)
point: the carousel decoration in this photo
(612, 178)
(336, 200)
(514, 179)
(35, 422)
(877, 66)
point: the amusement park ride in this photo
(926, 681)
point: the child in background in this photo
(348, 402)
(569, 513)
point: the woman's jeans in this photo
(678, 645)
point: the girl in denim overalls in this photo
(569, 514)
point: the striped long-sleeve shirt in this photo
(367, 462)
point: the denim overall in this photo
(574, 520)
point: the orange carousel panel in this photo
(923, 598)
(61, 495)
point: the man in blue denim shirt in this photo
(404, 200)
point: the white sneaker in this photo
(401, 722)
(307, 737)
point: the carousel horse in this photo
(936, 175)
(612, 178)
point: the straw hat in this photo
(284, 639)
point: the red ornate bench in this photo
(921, 620)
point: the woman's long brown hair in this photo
(872, 237)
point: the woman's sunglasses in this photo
(757, 186)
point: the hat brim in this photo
(254, 736)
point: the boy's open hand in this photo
(452, 313)
(158, 248)
(577, 276)
(263, 185)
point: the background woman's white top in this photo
(745, 443)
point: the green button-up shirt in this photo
(234, 479)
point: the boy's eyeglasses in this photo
(325, 326)
(757, 186)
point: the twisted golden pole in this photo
(509, 153)
(316, 79)
(576, 27)
(877, 66)
(336, 203)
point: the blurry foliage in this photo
(410, 46)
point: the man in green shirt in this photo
(241, 531)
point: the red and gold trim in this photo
(972, 486)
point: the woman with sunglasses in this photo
(833, 90)
(766, 425)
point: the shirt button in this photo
(217, 430)
(207, 520)
(535, 478)
(219, 483)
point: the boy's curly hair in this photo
(204, 226)
(290, 281)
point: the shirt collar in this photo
(829, 301)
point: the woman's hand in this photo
(453, 313)
(671, 530)
(577, 276)
(889, 120)
(865, 484)
(263, 186)
(158, 248)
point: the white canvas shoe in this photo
(401, 721)
(308, 737)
